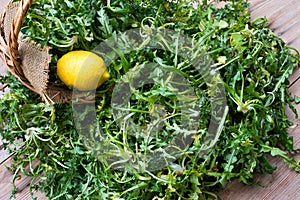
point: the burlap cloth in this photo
(25, 59)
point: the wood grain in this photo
(283, 18)
(4, 155)
(283, 184)
(22, 184)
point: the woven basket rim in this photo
(9, 54)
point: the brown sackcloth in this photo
(25, 59)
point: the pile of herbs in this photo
(254, 65)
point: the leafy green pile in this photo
(254, 65)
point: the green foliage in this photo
(253, 63)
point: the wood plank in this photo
(283, 184)
(22, 184)
(283, 16)
(4, 155)
(256, 3)
(272, 9)
(295, 76)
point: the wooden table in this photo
(284, 16)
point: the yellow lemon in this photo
(83, 70)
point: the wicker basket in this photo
(25, 59)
